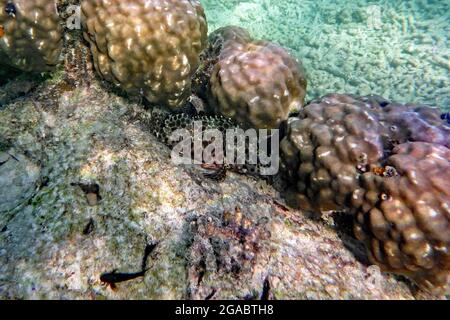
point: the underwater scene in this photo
(396, 49)
(224, 150)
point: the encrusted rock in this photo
(18, 179)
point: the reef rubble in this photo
(86, 187)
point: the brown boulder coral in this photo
(390, 165)
(405, 219)
(147, 47)
(256, 83)
(210, 56)
(32, 35)
(328, 146)
(220, 37)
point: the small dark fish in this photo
(10, 9)
(88, 188)
(446, 116)
(111, 278)
(265, 295)
(92, 192)
(211, 295)
(214, 172)
(148, 250)
(89, 227)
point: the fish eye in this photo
(384, 197)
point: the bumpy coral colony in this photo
(31, 34)
(387, 163)
(257, 83)
(148, 47)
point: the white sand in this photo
(394, 48)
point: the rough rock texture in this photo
(147, 47)
(18, 179)
(344, 152)
(31, 39)
(107, 187)
(256, 83)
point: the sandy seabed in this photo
(397, 49)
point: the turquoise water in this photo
(397, 49)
